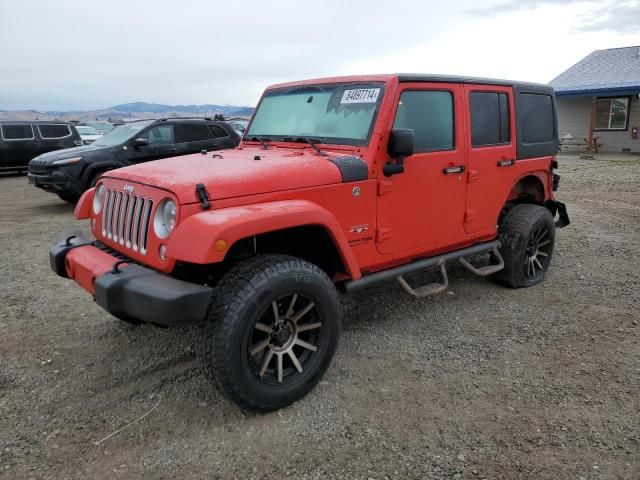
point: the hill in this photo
(130, 111)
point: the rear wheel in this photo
(527, 237)
(272, 331)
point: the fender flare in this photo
(194, 238)
(92, 168)
(83, 207)
(541, 175)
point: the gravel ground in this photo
(480, 382)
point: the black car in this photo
(21, 141)
(70, 172)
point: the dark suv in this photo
(70, 172)
(21, 141)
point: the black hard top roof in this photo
(425, 77)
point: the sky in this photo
(78, 55)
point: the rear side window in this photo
(54, 131)
(536, 114)
(429, 114)
(17, 132)
(489, 118)
(191, 133)
(218, 132)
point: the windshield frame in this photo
(354, 142)
(146, 123)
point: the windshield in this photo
(121, 134)
(331, 113)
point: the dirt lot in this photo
(481, 382)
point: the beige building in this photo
(599, 102)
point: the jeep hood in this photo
(238, 173)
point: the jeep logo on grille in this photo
(128, 188)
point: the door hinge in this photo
(384, 187)
(469, 216)
(383, 234)
(472, 176)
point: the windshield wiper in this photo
(262, 141)
(310, 141)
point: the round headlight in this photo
(98, 197)
(165, 218)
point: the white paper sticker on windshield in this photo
(361, 95)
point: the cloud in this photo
(513, 5)
(592, 16)
(67, 54)
(620, 17)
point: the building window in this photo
(612, 113)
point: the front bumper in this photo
(129, 290)
(50, 182)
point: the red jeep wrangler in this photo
(343, 182)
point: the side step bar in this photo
(427, 264)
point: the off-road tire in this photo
(69, 197)
(241, 300)
(517, 231)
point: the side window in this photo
(160, 135)
(489, 118)
(17, 132)
(536, 111)
(54, 131)
(429, 113)
(191, 133)
(218, 132)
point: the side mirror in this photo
(140, 142)
(401, 145)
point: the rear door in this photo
(193, 137)
(423, 207)
(20, 144)
(492, 154)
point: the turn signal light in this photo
(221, 245)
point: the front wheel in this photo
(527, 236)
(69, 197)
(272, 331)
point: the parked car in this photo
(20, 141)
(69, 173)
(101, 127)
(239, 126)
(88, 134)
(340, 182)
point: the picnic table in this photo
(569, 141)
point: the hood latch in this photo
(203, 196)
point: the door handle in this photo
(453, 170)
(506, 162)
(172, 150)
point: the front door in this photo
(162, 144)
(423, 208)
(492, 155)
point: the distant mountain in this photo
(139, 107)
(130, 111)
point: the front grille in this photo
(126, 219)
(37, 166)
